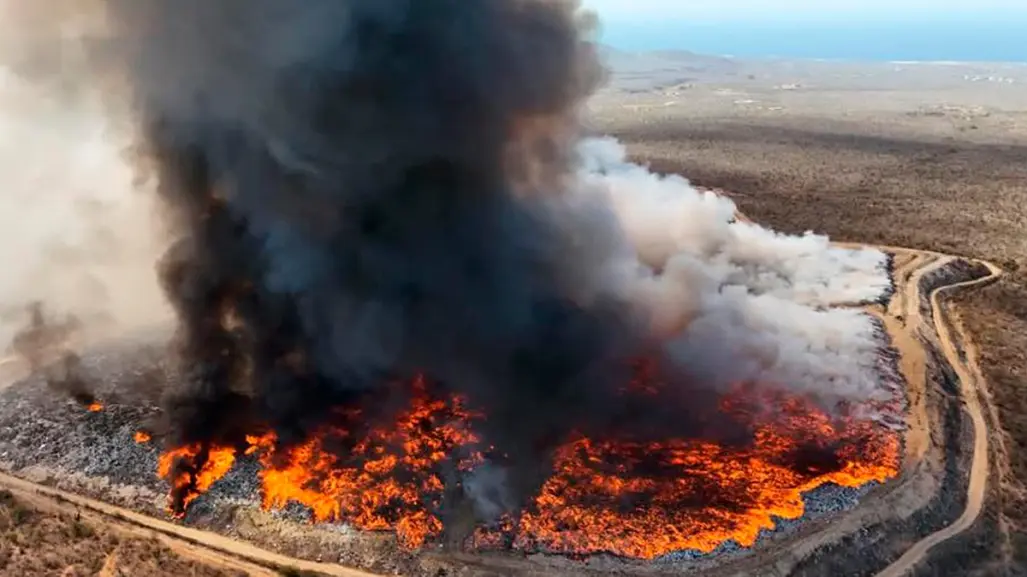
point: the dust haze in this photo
(77, 233)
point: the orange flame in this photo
(192, 470)
(95, 407)
(605, 495)
(581, 507)
(142, 437)
(396, 484)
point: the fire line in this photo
(638, 500)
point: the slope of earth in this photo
(934, 160)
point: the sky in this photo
(982, 30)
(803, 10)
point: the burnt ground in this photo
(884, 179)
(50, 439)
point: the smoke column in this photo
(370, 190)
(364, 191)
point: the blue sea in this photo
(968, 40)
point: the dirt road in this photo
(204, 546)
(969, 380)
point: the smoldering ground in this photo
(364, 191)
(364, 187)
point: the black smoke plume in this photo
(364, 192)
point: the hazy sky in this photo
(799, 10)
(990, 30)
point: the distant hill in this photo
(640, 71)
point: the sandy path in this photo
(902, 321)
(969, 379)
(216, 549)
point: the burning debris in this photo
(605, 494)
(412, 292)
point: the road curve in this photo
(218, 549)
(969, 379)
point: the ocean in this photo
(985, 41)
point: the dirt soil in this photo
(35, 542)
(879, 174)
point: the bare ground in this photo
(35, 542)
(896, 179)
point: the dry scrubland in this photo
(35, 542)
(929, 156)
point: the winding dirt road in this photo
(215, 549)
(970, 380)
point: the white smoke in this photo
(735, 301)
(76, 233)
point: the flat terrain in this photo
(38, 541)
(928, 156)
